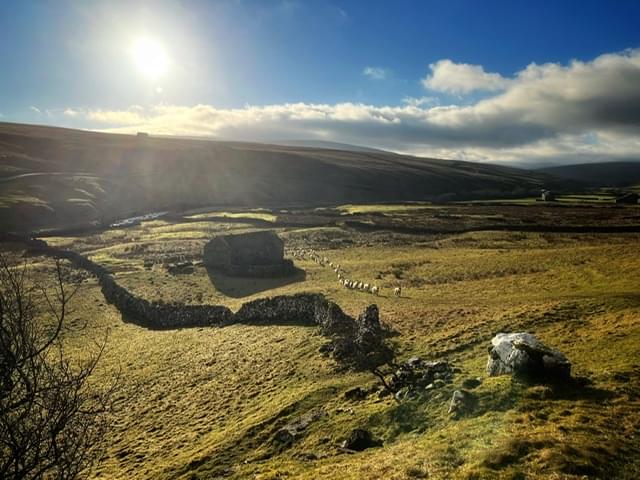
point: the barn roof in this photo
(250, 239)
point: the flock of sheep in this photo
(345, 282)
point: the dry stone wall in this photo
(311, 309)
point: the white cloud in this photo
(586, 110)
(460, 78)
(35, 109)
(70, 112)
(420, 101)
(375, 73)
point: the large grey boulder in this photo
(523, 354)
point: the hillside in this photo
(613, 174)
(328, 145)
(203, 403)
(53, 176)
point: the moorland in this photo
(208, 402)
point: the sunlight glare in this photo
(150, 57)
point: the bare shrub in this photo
(52, 419)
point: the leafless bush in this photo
(52, 418)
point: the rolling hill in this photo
(612, 174)
(61, 177)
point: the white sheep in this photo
(397, 291)
(365, 287)
(375, 290)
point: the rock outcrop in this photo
(462, 403)
(296, 429)
(523, 354)
(360, 439)
(416, 375)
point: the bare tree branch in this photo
(52, 419)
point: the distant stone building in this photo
(628, 199)
(256, 254)
(547, 196)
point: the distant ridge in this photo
(614, 174)
(327, 145)
(51, 177)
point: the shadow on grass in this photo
(239, 287)
(574, 388)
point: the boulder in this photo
(523, 354)
(360, 439)
(462, 402)
(356, 393)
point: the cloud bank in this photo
(577, 112)
(461, 78)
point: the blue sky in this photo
(349, 69)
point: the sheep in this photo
(397, 291)
(365, 287)
(340, 276)
(375, 290)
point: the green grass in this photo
(258, 215)
(382, 208)
(201, 403)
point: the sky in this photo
(511, 81)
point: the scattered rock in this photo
(181, 268)
(360, 439)
(294, 430)
(403, 393)
(356, 393)
(471, 383)
(462, 403)
(438, 383)
(285, 436)
(523, 354)
(416, 374)
(383, 392)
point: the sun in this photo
(150, 57)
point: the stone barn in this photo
(547, 196)
(256, 254)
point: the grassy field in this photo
(206, 403)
